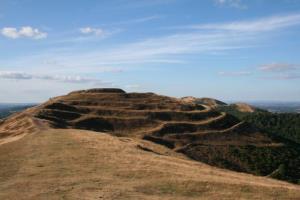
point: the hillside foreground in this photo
(76, 164)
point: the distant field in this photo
(279, 107)
(7, 109)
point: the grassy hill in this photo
(109, 144)
(201, 132)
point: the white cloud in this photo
(61, 78)
(145, 19)
(14, 75)
(281, 71)
(94, 31)
(278, 67)
(275, 71)
(263, 24)
(23, 32)
(235, 73)
(290, 76)
(231, 3)
(140, 20)
(164, 49)
(284, 77)
(10, 32)
(157, 50)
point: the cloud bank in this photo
(60, 78)
(231, 3)
(278, 67)
(235, 73)
(94, 31)
(23, 32)
(259, 25)
(270, 71)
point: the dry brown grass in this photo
(75, 164)
(243, 107)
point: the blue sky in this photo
(241, 50)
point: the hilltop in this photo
(109, 144)
(206, 101)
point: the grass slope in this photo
(76, 164)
